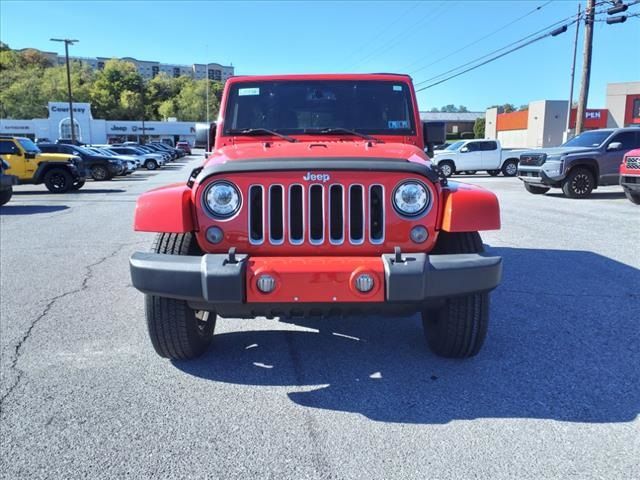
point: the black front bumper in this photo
(630, 182)
(212, 282)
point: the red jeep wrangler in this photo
(630, 175)
(318, 199)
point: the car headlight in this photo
(411, 198)
(222, 199)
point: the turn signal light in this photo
(364, 282)
(266, 283)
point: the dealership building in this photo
(544, 123)
(95, 131)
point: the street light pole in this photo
(68, 42)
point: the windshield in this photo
(296, 107)
(589, 139)
(29, 146)
(455, 146)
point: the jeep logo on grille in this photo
(316, 177)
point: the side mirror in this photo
(29, 155)
(614, 146)
(433, 133)
(464, 149)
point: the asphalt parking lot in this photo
(555, 393)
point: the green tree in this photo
(478, 127)
(117, 91)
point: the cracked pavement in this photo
(554, 394)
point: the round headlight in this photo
(411, 198)
(222, 199)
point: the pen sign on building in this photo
(92, 130)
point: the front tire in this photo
(58, 180)
(5, 195)
(176, 330)
(458, 328)
(510, 168)
(77, 185)
(447, 168)
(99, 173)
(579, 183)
(535, 190)
(633, 197)
(151, 165)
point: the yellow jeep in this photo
(59, 172)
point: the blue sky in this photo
(305, 37)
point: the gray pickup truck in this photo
(585, 162)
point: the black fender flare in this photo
(589, 163)
(44, 167)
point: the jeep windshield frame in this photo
(28, 145)
(302, 106)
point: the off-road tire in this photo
(77, 184)
(5, 195)
(174, 329)
(631, 196)
(535, 190)
(447, 168)
(493, 173)
(151, 165)
(458, 328)
(58, 180)
(510, 168)
(579, 183)
(100, 173)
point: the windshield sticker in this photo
(243, 92)
(397, 124)
(397, 88)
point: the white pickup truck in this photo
(470, 156)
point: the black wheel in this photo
(99, 173)
(177, 331)
(150, 164)
(77, 184)
(510, 168)
(634, 197)
(579, 183)
(493, 173)
(458, 328)
(58, 180)
(534, 189)
(5, 195)
(447, 168)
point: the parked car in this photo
(131, 163)
(60, 173)
(149, 149)
(630, 175)
(579, 166)
(100, 167)
(150, 161)
(184, 146)
(7, 182)
(474, 155)
(361, 222)
(177, 153)
(171, 153)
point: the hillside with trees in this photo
(28, 82)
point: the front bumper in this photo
(214, 282)
(540, 176)
(630, 182)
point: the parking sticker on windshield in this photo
(397, 124)
(397, 88)
(248, 91)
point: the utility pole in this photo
(68, 42)
(573, 72)
(586, 65)
(143, 111)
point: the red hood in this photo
(318, 149)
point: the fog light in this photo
(215, 235)
(266, 283)
(419, 234)
(364, 282)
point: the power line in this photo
(434, 13)
(538, 8)
(493, 58)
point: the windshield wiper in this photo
(258, 131)
(329, 131)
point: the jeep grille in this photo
(274, 210)
(633, 163)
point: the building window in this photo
(176, 72)
(635, 112)
(155, 70)
(64, 129)
(100, 65)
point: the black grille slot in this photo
(336, 219)
(376, 213)
(276, 216)
(296, 212)
(316, 216)
(256, 232)
(356, 214)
